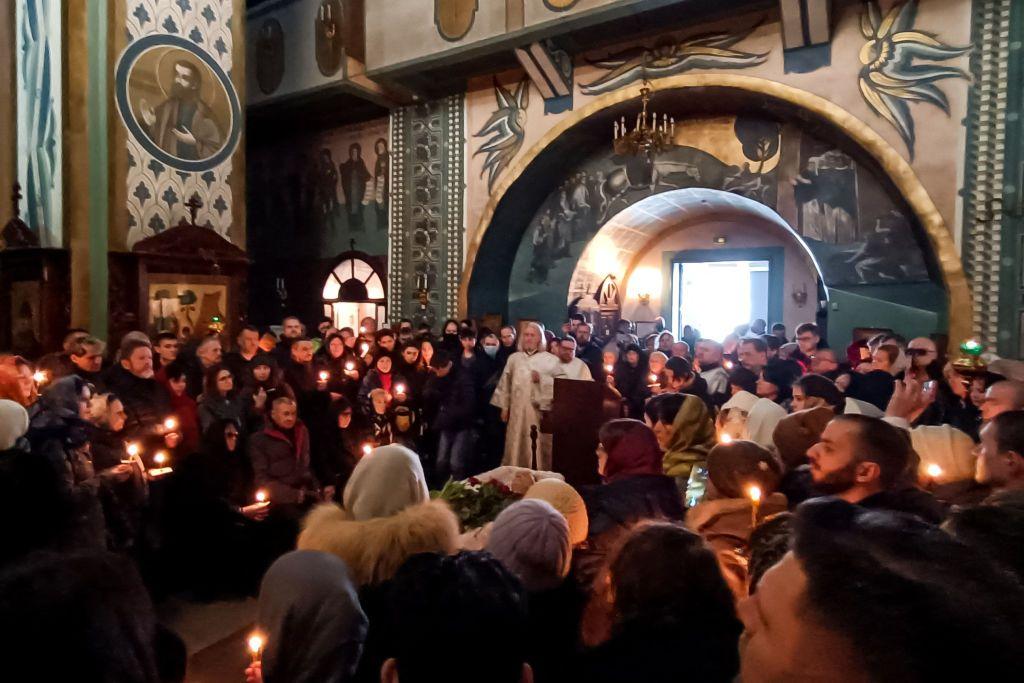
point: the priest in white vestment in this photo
(525, 389)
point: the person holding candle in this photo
(381, 376)
(743, 478)
(215, 516)
(344, 366)
(347, 436)
(146, 402)
(16, 381)
(184, 410)
(310, 622)
(631, 379)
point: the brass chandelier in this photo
(649, 136)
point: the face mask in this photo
(491, 351)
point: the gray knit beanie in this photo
(531, 538)
(13, 423)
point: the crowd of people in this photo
(769, 509)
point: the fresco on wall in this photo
(858, 233)
(175, 96)
(309, 197)
(454, 18)
(329, 43)
(890, 79)
(703, 51)
(269, 56)
(504, 130)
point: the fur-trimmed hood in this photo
(730, 517)
(375, 548)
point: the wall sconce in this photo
(800, 296)
(644, 298)
(720, 239)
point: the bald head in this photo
(1002, 397)
(923, 350)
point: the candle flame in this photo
(399, 388)
(728, 365)
(324, 376)
(755, 493)
(362, 329)
(170, 423)
(654, 378)
(261, 496)
(607, 368)
(39, 376)
(725, 438)
(367, 449)
(133, 449)
(255, 643)
(934, 471)
(160, 458)
(350, 366)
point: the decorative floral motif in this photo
(890, 79)
(704, 51)
(158, 204)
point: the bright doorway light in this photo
(716, 296)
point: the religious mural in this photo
(180, 109)
(504, 130)
(329, 44)
(858, 233)
(269, 56)
(310, 197)
(185, 308)
(890, 79)
(670, 57)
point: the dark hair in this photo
(997, 531)
(33, 492)
(249, 328)
(440, 358)
(449, 321)
(680, 367)
(664, 407)
(808, 327)
(176, 369)
(916, 604)
(782, 374)
(891, 350)
(769, 542)
(327, 344)
(467, 333)
(744, 379)
(824, 388)
(779, 326)
(757, 342)
(883, 444)
(386, 332)
(210, 380)
(164, 336)
(664, 574)
(469, 599)
(1009, 428)
(76, 617)
(772, 342)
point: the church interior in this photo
(197, 166)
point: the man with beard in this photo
(146, 402)
(183, 125)
(588, 351)
(865, 460)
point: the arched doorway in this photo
(354, 290)
(854, 244)
(714, 241)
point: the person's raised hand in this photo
(254, 673)
(257, 512)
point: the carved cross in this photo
(352, 245)
(194, 204)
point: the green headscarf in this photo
(693, 437)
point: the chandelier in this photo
(649, 135)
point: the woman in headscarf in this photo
(387, 516)
(310, 615)
(524, 391)
(816, 391)
(686, 434)
(59, 433)
(635, 488)
(761, 423)
(220, 399)
(347, 434)
(732, 418)
(218, 519)
(725, 517)
(383, 376)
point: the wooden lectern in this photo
(576, 416)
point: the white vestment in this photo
(574, 369)
(524, 400)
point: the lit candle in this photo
(365, 348)
(170, 424)
(399, 389)
(725, 438)
(755, 498)
(350, 366)
(160, 458)
(367, 449)
(608, 368)
(934, 472)
(39, 376)
(261, 496)
(256, 643)
(362, 329)
(134, 449)
(653, 378)
(728, 365)
(324, 375)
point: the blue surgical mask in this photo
(491, 351)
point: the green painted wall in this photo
(910, 310)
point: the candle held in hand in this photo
(653, 378)
(160, 458)
(170, 424)
(608, 368)
(934, 471)
(754, 492)
(350, 366)
(399, 389)
(255, 643)
(261, 496)
(725, 438)
(728, 365)
(324, 375)
(39, 376)
(367, 449)
(133, 449)
(365, 348)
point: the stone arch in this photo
(520, 193)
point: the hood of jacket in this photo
(731, 516)
(375, 548)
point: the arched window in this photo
(354, 290)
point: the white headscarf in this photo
(764, 417)
(384, 483)
(13, 423)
